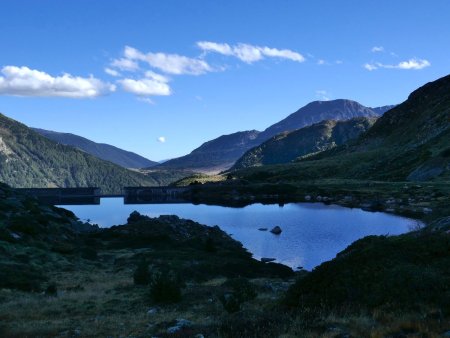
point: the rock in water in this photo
(267, 260)
(276, 230)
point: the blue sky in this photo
(161, 77)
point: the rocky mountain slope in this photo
(221, 153)
(287, 146)
(319, 111)
(215, 155)
(410, 142)
(126, 159)
(28, 159)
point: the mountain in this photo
(287, 146)
(126, 159)
(409, 142)
(215, 155)
(28, 159)
(221, 153)
(319, 111)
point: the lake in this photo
(312, 232)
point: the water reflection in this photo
(312, 232)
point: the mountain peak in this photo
(316, 111)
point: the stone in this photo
(307, 198)
(267, 260)
(15, 236)
(262, 229)
(427, 210)
(276, 230)
(180, 324)
(152, 311)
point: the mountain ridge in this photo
(287, 146)
(410, 142)
(28, 159)
(217, 155)
(107, 152)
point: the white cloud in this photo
(125, 64)
(145, 87)
(249, 53)
(339, 62)
(221, 48)
(146, 100)
(156, 77)
(111, 72)
(153, 84)
(411, 64)
(161, 139)
(282, 53)
(377, 49)
(23, 81)
(322, 95)
(370, 67)
(169, 63)
(321, 62)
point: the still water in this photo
(312, 232)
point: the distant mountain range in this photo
(215, 155)
(126, 159)
(288, 146)
(28, 159)
(221, 153)
(411, 142)
(318, 111)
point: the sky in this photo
(159, 78)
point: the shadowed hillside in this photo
(410, 142)
(287, 146)
(28, 159)
(126, 159)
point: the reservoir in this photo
(311, 232)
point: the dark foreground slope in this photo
(60, 277)
(288, 146)
(28, 159)
(409, 142)
(126, 159)
(170, 277)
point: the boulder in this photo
(180, 324)
(267, 260)
(276, 230)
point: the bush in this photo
(51, 290)
(230, 302)
(240, 291)
(20, 277)
(209, 245)
(141, 275)
(165, 287)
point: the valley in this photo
(332, 222)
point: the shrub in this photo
(240, 291)
(51, 290)
(165, 287)
(209, 245)
(89, 253)
(21, 277)
(141, 275)
(230, 302)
